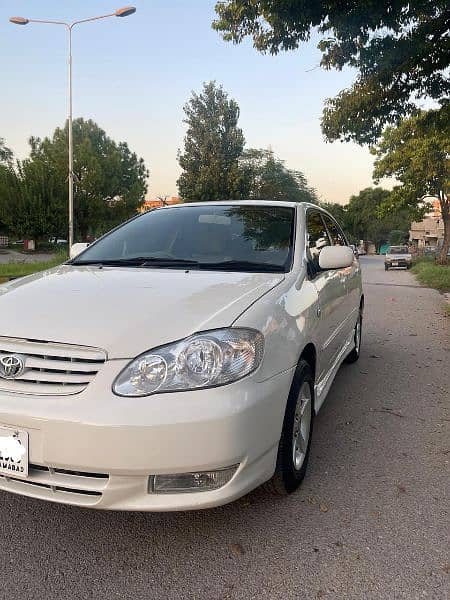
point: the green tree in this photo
(6, 157)
(270, 179)
(400, 50)
(110, 180)
(417, 153)
(337, 210)
(398, 237)
(364, 220)
(212, 147)
(30, 204)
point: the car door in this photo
(349, 277)
(331, 290)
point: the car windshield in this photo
(398, 250)
(220, 237)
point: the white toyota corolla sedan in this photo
(178, 362)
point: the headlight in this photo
(202, 360)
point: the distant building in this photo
(430, 230)
(158, 202)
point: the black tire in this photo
(355, 353)
(386, 268)
(287, 477)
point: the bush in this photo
(432, 275)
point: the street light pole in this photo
(70, 136)
(120, 12)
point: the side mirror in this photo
(77, 249)
(336, 257)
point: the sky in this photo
(133, 75)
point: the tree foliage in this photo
(400, 50)
(398, 237)
(30, 201)
(110, 183)
(417, 153)
(110, 180)
(364, 220)
(337, 210)
(212, 147)
(270, 179)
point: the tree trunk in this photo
(445, 211)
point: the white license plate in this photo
(13, 452)
(395, 263)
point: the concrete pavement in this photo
(13, 256)
(370, 522)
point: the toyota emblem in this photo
(11, 366)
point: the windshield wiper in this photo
(156, 262)
(242, 265)
(139, 261)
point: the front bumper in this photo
(398, 263)
(98, 450)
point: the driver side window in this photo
(336, 234)
(317, 238)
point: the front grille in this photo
(58, 484)
(51, 368)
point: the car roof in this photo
(240, 203)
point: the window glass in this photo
(212, 236)
(317, 238)
(336, 234)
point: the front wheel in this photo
(357, 336)
(295, 441)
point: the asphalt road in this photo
(370, 521)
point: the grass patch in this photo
(432, 275)
(20, 269)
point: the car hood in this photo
(126, 311)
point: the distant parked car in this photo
(57, 241)
(398, 256)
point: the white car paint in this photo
(104, 447)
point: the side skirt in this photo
(323, 386)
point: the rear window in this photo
(398, 250)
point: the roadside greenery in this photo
(417, 154)
(269, 178)
(110, 183)
(20, 269)
(212, 147)
(361, 219)
(215, 165)
(432, 275)
(399, 50)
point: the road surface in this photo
(370, 522)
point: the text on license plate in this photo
(13, 452)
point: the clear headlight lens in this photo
(206, 359)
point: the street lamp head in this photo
(125, 11)
(19, 20)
